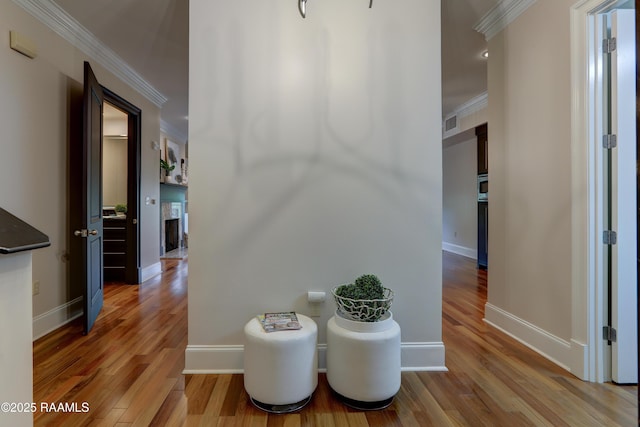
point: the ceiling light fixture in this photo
(302, 7)
(485, 54)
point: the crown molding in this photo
(173, 132)
(500, 16)
(60, 22)
(474, 104)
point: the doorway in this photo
(86, 201)
(121, 188)
(114, 192)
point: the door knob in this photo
(85, 233)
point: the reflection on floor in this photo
(180, 253)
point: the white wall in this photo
(315, 156)
(460, 196)
(114, 171)
(16, 367)
(530, 167)
(34, 118)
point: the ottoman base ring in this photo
(361, 405)
(281, 409)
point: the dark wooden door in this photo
(86, 187)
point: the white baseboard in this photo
(423, 356)
(546, 344)
(579, 361)
(228, 359)
(460, 250)
(151, 271)
(57, 317)
(213, 359)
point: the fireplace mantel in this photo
(173, 205)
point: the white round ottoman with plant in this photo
(363, 345)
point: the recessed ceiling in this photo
(464, 70)
(152, 36)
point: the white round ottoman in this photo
(363, 361)
(281, 368)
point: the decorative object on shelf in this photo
(173, 155)
(183, 169)
(363, 345)
(121, 209)
(167, 170)
(302, 7)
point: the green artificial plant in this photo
(167, 167)
(364, 300)
(365, 287)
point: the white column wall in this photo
(315, 156)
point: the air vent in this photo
(451, 123)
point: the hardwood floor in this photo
(128, 370)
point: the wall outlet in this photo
(314, 309)
(36, 287)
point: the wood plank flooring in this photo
(128, 370)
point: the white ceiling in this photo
(152, 36)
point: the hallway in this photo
(129, 371)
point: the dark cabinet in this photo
(483, 153)
(482, 135)
(115, 248)
(483, 235)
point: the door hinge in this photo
(609, 45)
(609, 334)
(609, 237)
(609, 141)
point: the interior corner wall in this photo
(460, 197)
(35, 121)
(315, 157)
(530, 163)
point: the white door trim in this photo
(589, 355)
(586, 259)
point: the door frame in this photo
(134, 126)
(637, 3)
(588, 349)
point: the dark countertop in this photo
(17, 236)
